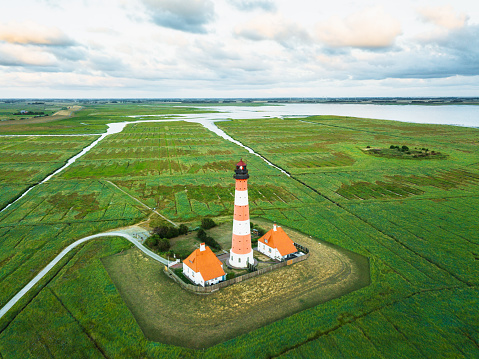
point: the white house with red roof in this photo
(203, 268)
(276, 244)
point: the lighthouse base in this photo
(240, 260)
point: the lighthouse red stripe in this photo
(241, 244)
(241, 185)
(241, 213)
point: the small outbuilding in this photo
(203, 268)
(276, 244)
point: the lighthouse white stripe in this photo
(241, 228)
(241, 198)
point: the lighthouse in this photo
(241, 252)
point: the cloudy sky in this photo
(238, 48)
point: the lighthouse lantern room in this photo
(241, 252)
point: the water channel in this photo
(458, 115)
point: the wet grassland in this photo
(414, 219)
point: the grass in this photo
(26, 161)
(397, 152)
(202, 321)
(414, 220)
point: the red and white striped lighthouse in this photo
(241, 252)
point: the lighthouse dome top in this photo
(241, 173)
(241, 163)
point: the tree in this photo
(166, 231)
(163, 244)
(183, 229)
(207, 223)
(161, 231)
(152, 241)
(211, 242)
(404, 148)
(172, 232)
(201, 233)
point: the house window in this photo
(270, 250)
(239, 260)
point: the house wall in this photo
(268, 251)
(215, 280)
(195, 277)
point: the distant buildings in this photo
(276, 244)
(203, 268)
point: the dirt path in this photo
(143, 204)
(60, 115)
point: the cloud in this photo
(443, 16)
(273, 27)
(184, 15)
(33, 34)
(250, 5)
(104, 31)
(370, 28)
(18, 55)
(453, 53)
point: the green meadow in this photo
(415, 219)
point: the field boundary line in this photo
(319, 333)
(143, 204)
(97, 346)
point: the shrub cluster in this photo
(170, 231)
(209, 241)
(208, 223)
(403, 148)
(155, 242)
(261, 232)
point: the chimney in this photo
(274, 227)
(202, 247)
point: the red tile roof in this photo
(280, 240)
(241, 163)
(206, 263)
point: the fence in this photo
(213, 288)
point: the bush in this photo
(404, 148)
(201, 234)
(172, 232)
(156, 243)
(211, 242)
(207, 223)
(163, 244)
(261, 231)
(230, 276)
(152, 241)
(166, 231)
(183, 229)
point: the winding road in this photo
(128, 234)
(133, 234)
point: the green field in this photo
(168, 314)
(416, 221)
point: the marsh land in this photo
(415, 220)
